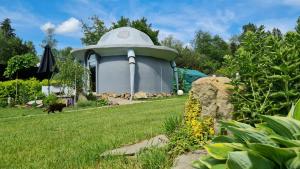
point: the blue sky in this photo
(178, 18)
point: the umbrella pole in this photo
(49, 76)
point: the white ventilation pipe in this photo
(131, 59)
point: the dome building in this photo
(125, 60)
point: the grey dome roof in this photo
(124, 36)
(117, 42)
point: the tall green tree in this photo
(71, 73)
(142, 25)
(121, 23)
(92, 33)
(10, 44)
(6, 28)
(212, 50)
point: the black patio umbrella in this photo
(47, 65)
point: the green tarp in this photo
(187, 76)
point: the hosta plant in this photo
(272, 144)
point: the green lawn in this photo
(75, 139)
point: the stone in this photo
(36, 102)
(140, 95)
(180, 92)
(213, 94)
(130, 150)
(185, 161)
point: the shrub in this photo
(268, 67)
(202, 127)
(51, 99)
(171, 124)
(90, 96)
(3, 102)
(27, 90)
(193, 132)
(273, 144)
(153, 158)
(101, 102)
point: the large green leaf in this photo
(220, 150)
(248, 160)
(233, 123)
(199, 165)
(285, 142)
(296, 113)
(223, 139)
(209, 161)
(294, 162)
(283, 126)
(276, 154)
(251, 135)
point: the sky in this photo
(180, 18)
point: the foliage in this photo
(275, 143)
(206, 53)
(51, 99)
(11, 45)
(171, 124)
(27, 90)
(268, 67)
(92, 33)
(20, 62)
(71, 73)
(153, 158)
(90, 96)
(193, 132)
(181, 141)
(202, 127)
(3, 102)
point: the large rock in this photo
(185, 161)
(213, 94)
(140, 95)
(130, 150)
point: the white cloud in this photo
(45, 27)
(284, 24)
(70, 27)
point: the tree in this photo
(212, 50)
(121, 23)
(93, 33)
(142, 25)
(19, 63)
(298, 25)
(6, 28)
(10, 44)
(71, 73)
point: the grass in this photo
(76, 139)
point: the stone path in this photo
(130, 150)
(185, 161)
